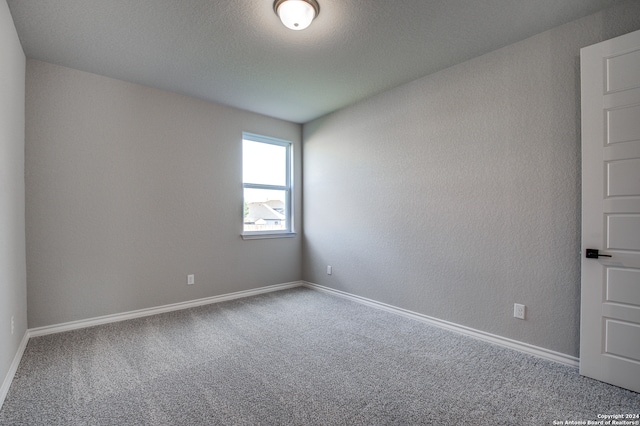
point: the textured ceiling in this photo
(236, 52)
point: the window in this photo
(267, 187)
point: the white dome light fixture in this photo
(296, 14)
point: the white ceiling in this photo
(236, 52)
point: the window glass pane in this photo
(264, 163)
(264, 210)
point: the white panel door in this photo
(610, 305)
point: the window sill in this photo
(265, 236)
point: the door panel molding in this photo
(610, 292)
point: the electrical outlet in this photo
(518, 310)
(191, 279)
(13, 324)
(329, 270)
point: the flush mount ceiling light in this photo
(296, 14)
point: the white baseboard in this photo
(6, 384)
(481, 335)
(74, 325)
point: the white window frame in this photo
(288, 188)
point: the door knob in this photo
(593, 254)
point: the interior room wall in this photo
(13, 283)
(458, 195)
(129, 189)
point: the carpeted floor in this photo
(293, 357)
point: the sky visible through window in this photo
(266, 186)
(263, 164)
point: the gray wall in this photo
(458, 194)
(129, 189)
(13, 281)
